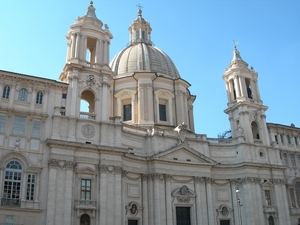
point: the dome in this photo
(143, 57)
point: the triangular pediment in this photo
(266, 184)
(183, 153)
(86, 170)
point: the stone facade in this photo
(133, 157)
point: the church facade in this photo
(132, 156)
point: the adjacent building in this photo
(132, 156)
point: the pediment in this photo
(86, 170)
(267, 184)
(183, 153)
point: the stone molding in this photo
(61, 164)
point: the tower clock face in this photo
(88, 131)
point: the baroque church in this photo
(133, 157)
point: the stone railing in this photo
(87, 116)
(221, 141)
(270, 208)
(10, 202)
(85, 204)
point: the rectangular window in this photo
(289, 139)
(127, 112)
(2, 123)
(268, 197)
(36, 127)
(162, 112)
(64, 96)
(296, 141)
(224, 222)
(19, 125)
(293, 161)
(9, 220)
(286, 162)
(183, 216)
(85, 189)
(31, 178)
(132, 222)
(276, 139)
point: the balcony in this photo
(270, 209)
(87, 116)
(85, 204)
(10, 202)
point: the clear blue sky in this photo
(197, 34)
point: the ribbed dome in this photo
(143, 57)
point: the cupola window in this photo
(162, 112)
(127, 112)
(249, 89)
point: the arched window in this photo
(297, 190)
(85, 219)
(23, 95)
(271, 220)
(12, 184)
(249, 89)
(6, 91)
(255, 131)
(39, 98)
(87, 105)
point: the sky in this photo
(197, 34)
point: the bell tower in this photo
(86, 69)
(245, 107)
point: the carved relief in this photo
(145, 85)
(61, 164)
(89, 81)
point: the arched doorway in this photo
(85, 219)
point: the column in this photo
(228, 92)
(103, 194)
(156, 199)
(68, 196)
(33, 99)
(97, 61)
(257, 89)
(73, 45)
(259, 200)
(247, 208)
(199, 210)
(231, 90)
(1, 90)
(168, 200)
(45, 100)
(74, 96)
(285, 202)
(118, 195)
(141, 95)
(145, 199)
(235, 204)
(12, 95)
(101, 52)
(77, 48)
(242, 86)
(105, 57)
(237, 86)
(151, 200)
(83, 48)
(211, 219)
(51, 195)
(253, 89)
(105, 99)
